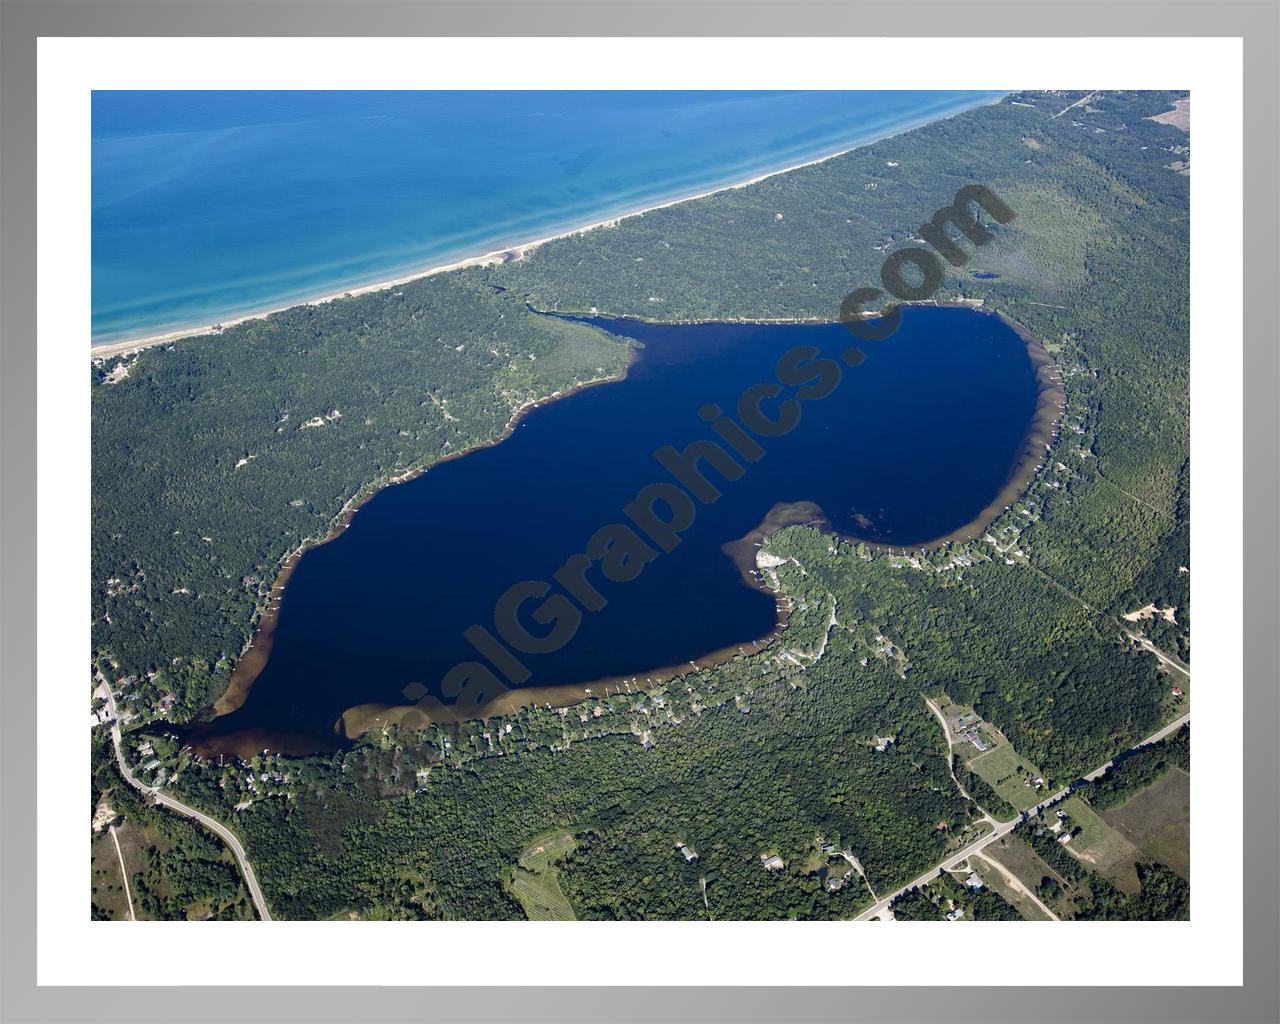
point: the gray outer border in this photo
(1257, 22)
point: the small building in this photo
(774, 863)
(1064, 838)
(689, 854)
(973, 881)
(1177, 691)
(956, 914)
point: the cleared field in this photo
(534, 882)
(107, 882)
(541, 896)
(1102, 847)
(1158, 821)
(1021, 860)
(995, 881)
(1004, 770)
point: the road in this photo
(212, 824)
(1167, 660)
(951, 767)
(124, 873)
(1003, 828)
(1016, 884)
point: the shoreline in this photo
(355, 721)
(507, 253)
(1041, 432)
(254, 656)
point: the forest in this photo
(216, 458)
(207, 474)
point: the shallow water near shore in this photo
(213, 205)
(929, 437)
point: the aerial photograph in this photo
(640, 505)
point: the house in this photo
(956, 914)
(1177, 691)
(973, 881)
(774, 863)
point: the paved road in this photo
(212, 824)
(1003, 828)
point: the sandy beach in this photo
(503, 254)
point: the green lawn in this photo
(1102, 847)
(1095, 829)
(1003, 769)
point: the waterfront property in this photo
(915, 443)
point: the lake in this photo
(929, 437)
(211, 204)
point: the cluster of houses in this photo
(966, 728)
(973, 883)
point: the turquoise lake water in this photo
(211, 204)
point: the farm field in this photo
(535, 883)
(1158, 821)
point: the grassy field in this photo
(1102, 847)
(1003, 769)
(1158, 821)
(107, 883)
(994, 880)
(1018, 858)
(534, 881)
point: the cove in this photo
(927, 439)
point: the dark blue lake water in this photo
(911, 445)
